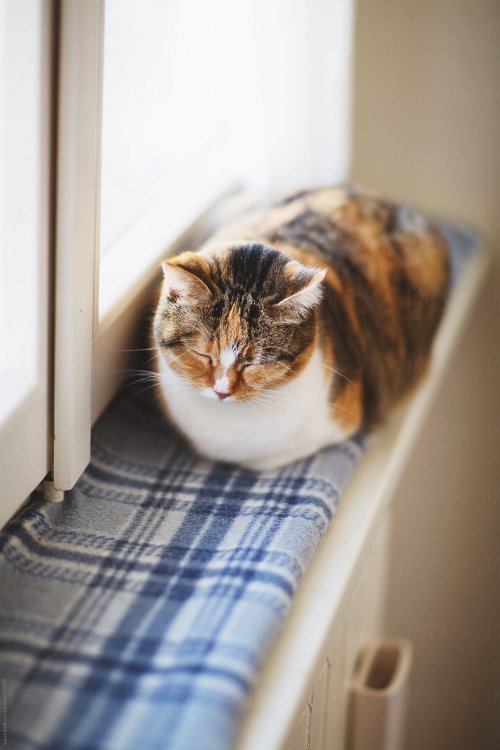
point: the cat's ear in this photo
(304, 290)
(182, 282)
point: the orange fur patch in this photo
(347, 409)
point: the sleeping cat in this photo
(299, 326)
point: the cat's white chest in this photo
(282, 425)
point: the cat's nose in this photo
(221, 394)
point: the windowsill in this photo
(294, 659)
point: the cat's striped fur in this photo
(300, 325)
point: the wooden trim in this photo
(77, 232)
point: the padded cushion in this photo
(136, 613)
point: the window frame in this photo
(77, 232)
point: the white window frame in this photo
(77, 228)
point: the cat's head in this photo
(236, 320)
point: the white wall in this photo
(427, 130)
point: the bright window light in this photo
(199, 96)
(19, 202)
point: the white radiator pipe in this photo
(378, 696)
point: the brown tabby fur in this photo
(383, 296)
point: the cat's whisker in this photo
(197, 324)
(147, 361)
(267, 399)
(146, 375)
(147, 388)
(337, 372)
(142, 380)
(177, 390)
(341, 411)
(183, 384)
(275, 393)
(145, 349)
(255, 403)
(143, 375)
(175, 359)
(133, 369)
(262, 402)
(270, 397)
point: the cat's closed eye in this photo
(258, 375)
(207, 357)
(172, 343)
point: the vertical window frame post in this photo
(77, 232)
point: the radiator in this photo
(322, 723)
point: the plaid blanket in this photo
(136, 613)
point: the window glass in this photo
(19, 202)
(201, 96)
(175, 75)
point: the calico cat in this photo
(298, 326)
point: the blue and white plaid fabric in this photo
(136, 613)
